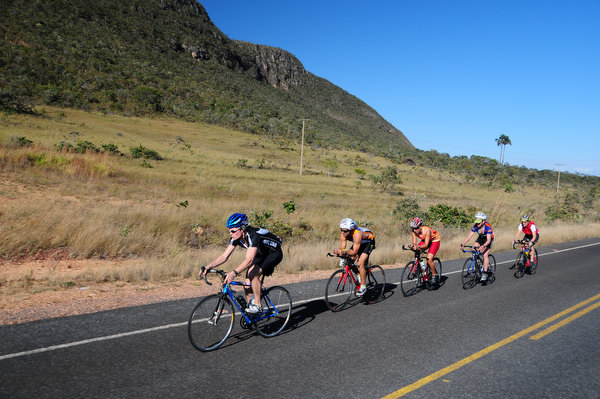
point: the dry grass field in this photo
(146, 221)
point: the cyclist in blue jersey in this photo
(484, 240)
(263, 253)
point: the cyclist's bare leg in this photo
(486, 258)
(361, 263)
(431, 264)
(532, 253)
(254, 274)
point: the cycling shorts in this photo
(530, 238)
(366, 247)
(482, 239)
(268, 262)
(433, 247)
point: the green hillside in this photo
(166, 57)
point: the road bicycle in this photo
(523, 264)
(344, 283)
(473, 269)
(417, 272)
(212, 320)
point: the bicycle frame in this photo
(416, 268)
(345, 284)
(474, 255)
(227, 291)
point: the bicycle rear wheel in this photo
(470, 273)
(210, 323)
(411, 279)
(438, 271)
(520, 264)
(491, 269)
(277, 309)
(339, 290)
(375, 284)
(533, 266)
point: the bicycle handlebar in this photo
(415, 250)
(339, 256)
(524, 241)
(221, 274)
(469, 246)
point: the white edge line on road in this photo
(174, 325)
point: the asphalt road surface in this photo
(534, 337)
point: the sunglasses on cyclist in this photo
(344, 230)
(233, 231)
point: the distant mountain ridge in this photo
(166, 56)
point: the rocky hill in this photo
(166, 56)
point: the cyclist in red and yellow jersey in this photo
(363, 243)
(531, 232)
(484, 241)
(430, 239)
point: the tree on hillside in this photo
(502, 141)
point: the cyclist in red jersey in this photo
(484, 241)
(531, 232)
(430, 239)
(363, 243)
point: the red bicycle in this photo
(417, 273)
(344, 283)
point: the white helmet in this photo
(348, 224)
(480, 217)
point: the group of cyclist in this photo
(264, 251)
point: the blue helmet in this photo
(237, 220)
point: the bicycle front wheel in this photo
(469, 274)
(375, 284)
(277, 309)
(520, 264)
(339, 290)
(210, 323)
(411, 279)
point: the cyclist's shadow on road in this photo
(303, 314)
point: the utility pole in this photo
(302, 145)
(558, 178)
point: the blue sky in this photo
(451, 75)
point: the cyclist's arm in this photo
(355, 244)
(427, 239)
(488, 241)
(414, 239)
(246, 263)
(467, 239)
(534, 233)
(220, 259)
(342, 245)
(519, 229)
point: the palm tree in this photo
(502, 141)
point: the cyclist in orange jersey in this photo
(363, 243)
(430, 240)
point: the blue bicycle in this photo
(473, 269)
(211, 321)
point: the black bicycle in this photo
(523, 263)
(212, 319)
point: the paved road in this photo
(444, 343)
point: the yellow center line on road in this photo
(566, 321)
(453, 367)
